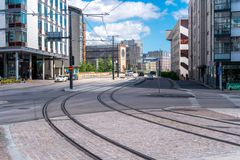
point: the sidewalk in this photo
(3, 152)
(28, 84)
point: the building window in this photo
(56, 3)
(235, 19)
(51, 14)
(17, 19)
(56, 18)
(16, 38)
(46, 44)
(61, 5)
(40, 43)
(39, 8)
(222, 23)
(40, 26)
(222, 4)
(45, 11)
(222, 46)
(56, 46)
(46, 27)
(236, 44)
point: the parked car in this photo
(1, 78)
(140, 74)
(153, 73)
(129, 73)
(61, 78)
(233, 86)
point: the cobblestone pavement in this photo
(159, 142)
(36, 141)
(3, 151)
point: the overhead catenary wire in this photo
(104, 24)
(86, 6)
(114, 8)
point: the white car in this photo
(61, 78)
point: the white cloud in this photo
(182, 13)
(126, 30)
(127, 10)
(170, 2)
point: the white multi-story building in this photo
(134, 53)
(25, 50)
(179, 47)
(163, 56)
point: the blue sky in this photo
(134, 19)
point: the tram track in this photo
(167, 119)
(86, 128)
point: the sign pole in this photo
(220, 75)
(70, 50)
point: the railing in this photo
(13, 25)
(12, 44)
(222, 6)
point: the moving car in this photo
(61, 78)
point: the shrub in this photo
(9, 81)
(171, 75)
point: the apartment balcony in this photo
(222, 31)
(222, 56)
(223, 6)
(17, 25)
(17, 44)
(17, 6)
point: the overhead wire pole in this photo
(113, 72)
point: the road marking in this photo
(193, 100)
(235, 100)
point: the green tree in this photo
(109, 64)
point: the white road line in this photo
(232, 98)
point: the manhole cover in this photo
(24, 108)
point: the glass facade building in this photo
(227, 39)
(24, 48)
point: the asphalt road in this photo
(26, 104)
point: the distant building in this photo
(155, 56)
(96, 52)
(179, 47)
(134, 54)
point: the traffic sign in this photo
(70, 68)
